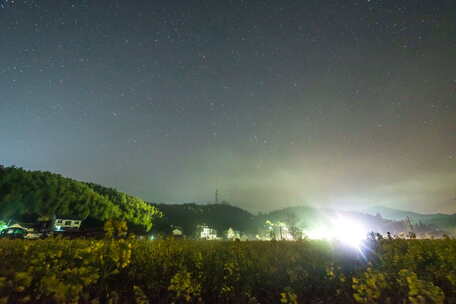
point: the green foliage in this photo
(419, 291)
(115, 229)
(24, 193)
(139, 271)
(412, 271)
(184, 286)
(132, 209)
(371, 287)
(288, 297)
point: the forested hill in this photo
(24, 194)
(218, 216)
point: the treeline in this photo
(27, 194)
(218, 216)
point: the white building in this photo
(232, 234)
(208, 233)
(276, 231)
(67, 224)
(177, 232)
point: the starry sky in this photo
(330, 103)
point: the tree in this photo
(292, 222)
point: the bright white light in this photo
(349, 232)
(342, 229)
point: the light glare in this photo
(347, 231)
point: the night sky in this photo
(275, 103)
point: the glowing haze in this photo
(276, 103)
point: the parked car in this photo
(19, 233)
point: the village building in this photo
(207, 233)
(232, 234)
(66, 224)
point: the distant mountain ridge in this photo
(443, 221)
(400, 213)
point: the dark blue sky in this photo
(276, 103)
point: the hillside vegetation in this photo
(25, 194)
(218, 216)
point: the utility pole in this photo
(216, 196)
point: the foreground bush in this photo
(134, 271)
